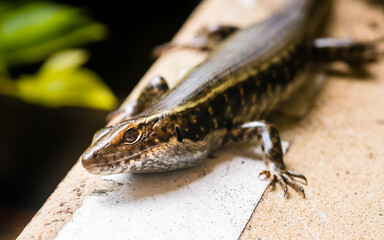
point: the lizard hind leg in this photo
(205, 39)
(347, 50)
(269, 139)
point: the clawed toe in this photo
(292, 182)
(297, 175)
(265, 173)
(285, 178)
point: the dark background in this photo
(38, 146)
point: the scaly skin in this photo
(221, 100)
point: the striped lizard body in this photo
(222, 99)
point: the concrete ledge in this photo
(338, 145)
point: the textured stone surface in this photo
(337, 145)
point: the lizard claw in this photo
(285, 178)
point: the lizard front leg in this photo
(156, 88)
(269, 139)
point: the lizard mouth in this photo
(119, 166)
(130, 164)
(166, 156)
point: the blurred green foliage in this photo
(31, 32)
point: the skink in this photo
(223, 99)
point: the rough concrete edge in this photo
(59, 207)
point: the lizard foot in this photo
(285, 178)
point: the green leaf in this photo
(30, 32)
(34, 22)
(91, 33)
(62, 82)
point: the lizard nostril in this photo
(89, 160)
(96, 153)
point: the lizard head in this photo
(144, 144)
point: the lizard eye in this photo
(132, 135)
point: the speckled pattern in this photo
(245, 78)
(339, 145)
